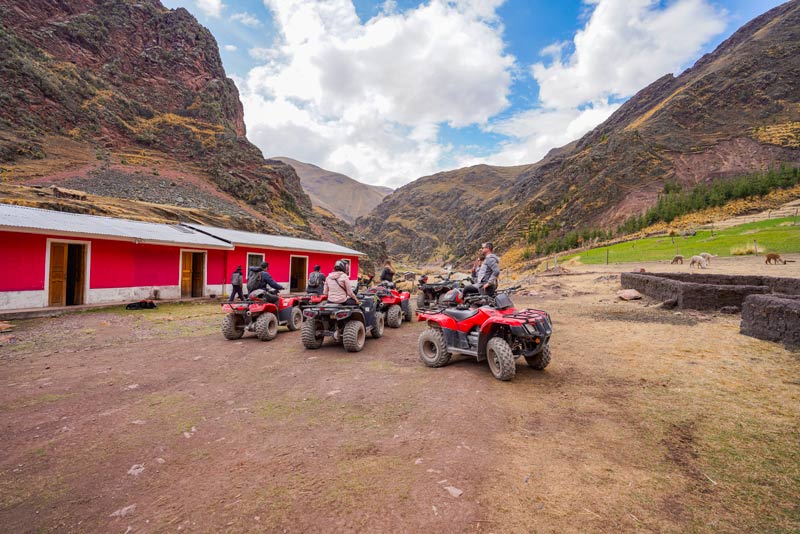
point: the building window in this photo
(253, 260)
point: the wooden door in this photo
(58, 274)
(298, 269)
(186, 274)
(198, 273)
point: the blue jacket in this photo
(266, 279)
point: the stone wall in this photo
(773, 318)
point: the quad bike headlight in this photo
(531, 329)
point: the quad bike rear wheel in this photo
(377, 330)
(406, 307)
(295, 320)
(354, 336)
(421, 300)
(309, 335)
(266, 326)
(539, 361)
(501, 360)
(394, 316)
(432, 349)
(232, 326)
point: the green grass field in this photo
(774, 235)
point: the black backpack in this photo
(254, 282)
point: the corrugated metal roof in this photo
(23, 218)
(275, 241)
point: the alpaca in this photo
(700, 261)
(708, 256)
(677, 259)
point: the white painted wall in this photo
(13, 300)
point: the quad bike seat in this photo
(460, 315)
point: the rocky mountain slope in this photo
(129, 99)
(336, 193)
(736, 111)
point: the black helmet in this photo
(264, 265)
(340, 265)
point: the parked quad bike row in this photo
(459, 321)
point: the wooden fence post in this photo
(755, 245)
(606, 255)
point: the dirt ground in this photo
(646, 420)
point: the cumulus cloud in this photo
(247, 19)
(625, 45)
(367, 98)
(211, 8)
(230, 48)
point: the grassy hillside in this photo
(774, 235)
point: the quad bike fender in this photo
(440, 320)
(285, 314)
(390, 300)
(262, 307)
(289, 302)
(492, 328)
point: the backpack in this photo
(315, 279)
(254, 282)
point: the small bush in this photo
(746, 250)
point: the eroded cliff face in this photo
(736, 111)
(142, 90)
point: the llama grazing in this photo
(700, 261)
(677, 259)
(707, 256)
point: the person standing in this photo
(236, 283)
(316, 282)
(476, 267)
(489, 270)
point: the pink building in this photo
(52, 258)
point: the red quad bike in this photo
(310, 299)
(396, 305)
(263, 318)
(489, 330)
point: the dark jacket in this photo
(387, 274)
(266, 279)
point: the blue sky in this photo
(390, 91)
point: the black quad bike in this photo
(487, 328)
(350, 323)
(431, 293)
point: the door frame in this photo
(205, 270)
(86, 267)
(305, 274)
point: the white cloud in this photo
(625, 45)
(247, 19)
(367, 99)
(230, 48)
(211, 8)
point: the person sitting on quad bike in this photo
(388, 272)
(337, 286)
(259, 278)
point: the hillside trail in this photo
(790, 209)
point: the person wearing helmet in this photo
(337, 286)
(264, 280)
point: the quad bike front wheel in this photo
(311, 340)
(406, 307)
(377, 330)
(394, 316)
(501, 360)
(231, 327)
(420, 300)
(539, 361)
(432, 349)
(266, 326)
(354, 336)
(296, 319)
